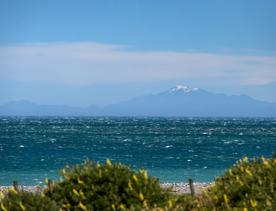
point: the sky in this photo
(101, 52)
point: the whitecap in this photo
(168, 146)
(127, 140)
(52, 140)
(21, 146)
(168, 158)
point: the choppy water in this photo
(173, 149)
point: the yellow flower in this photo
(79, 181)
(141, 196)
(1, 195)
(245, 209)
(170, 203)
(253, 203)
(122, 207)
(145, 204)
(82, 195)
(22, 206)
(66, 205)
(225, 198)
(135, 178)
(145, 175)
(245, 159)
(100, 173)
(248, 172)
(46, 180)
(3, 207)
(82, 206)
(12, 190)
(76, 192)
(113, 207)
(241, 183)
(265, 161)
(108, 162)
(129, 185)
(268, 203)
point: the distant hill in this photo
(27, 108)
(177, 101)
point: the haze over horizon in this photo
(104, 52)
(129, 98)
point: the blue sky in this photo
(106, 51)
(211, 25)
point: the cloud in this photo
(89, 63)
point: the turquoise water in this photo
(173, 149)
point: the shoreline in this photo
(179, 188)
(184, 188)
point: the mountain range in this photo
(177, 101)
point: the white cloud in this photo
(86, 63)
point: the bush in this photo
(28, 201)
(94, 186)
(249, 185)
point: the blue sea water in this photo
(173, 149)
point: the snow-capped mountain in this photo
(187, 101)
(182, 88)
(177, 101)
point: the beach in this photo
(179, 188)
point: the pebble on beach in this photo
(183, 188)
(180, 188)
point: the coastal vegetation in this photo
(248, 185)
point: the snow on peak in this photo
(181, 88)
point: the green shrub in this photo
(94, 186)
(28, 201)
(248, 184)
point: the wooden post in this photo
(223, 183)
(15, 185)
(192, 188)
(50, 185)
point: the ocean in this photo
(172, 149)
